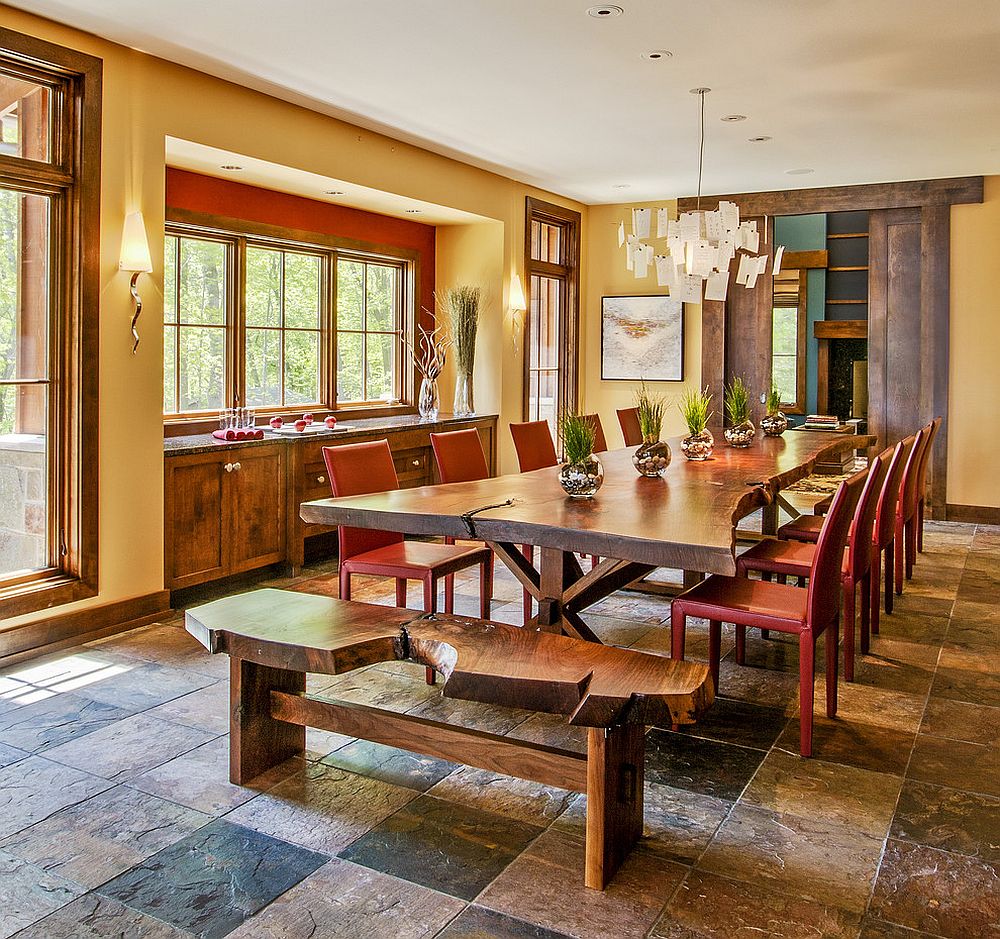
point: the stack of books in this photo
(821, 422)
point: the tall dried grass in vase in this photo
(463, 304)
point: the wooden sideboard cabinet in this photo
(232, 508)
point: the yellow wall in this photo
(606, 276)
(974, 368)
(147, 99)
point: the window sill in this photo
(183, 427)
(43, 592)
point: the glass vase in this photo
(774, 425)
(698, 446)
(428, 400)
(652, 458)
(464, 405)
(581, 480)
(740, 435)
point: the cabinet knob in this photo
(237, 467)
(321, 479)
(228, 467)
(416, 462)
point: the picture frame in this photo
(642, 338)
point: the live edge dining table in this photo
(685, 520)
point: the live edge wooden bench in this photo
(274, 637)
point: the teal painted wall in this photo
(807, 233)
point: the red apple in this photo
(308, 418)
(301, 425)
(330, 421)
(276, 422)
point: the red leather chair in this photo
(805, 613)
(460, 458)
(784, 558)
(628, 418)
(362, 468)
(935, 426)
(882, 536)
(905, 535)
(600, 441)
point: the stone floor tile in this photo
(710, 907)
(968, 676)
(213, 880)
(810, 788)
(443, 845)
(759, 686)
(960, 720)
(36, 788)
(321, 743)
(626, 909)
(972, 636)
(10, 755)
(168, 644)
(59, 719)
(677, 824)
(380, 689)
(144, 686)
(199, 779)
(938, 892)
(858, 703)
(819, 861)
(322, 807)
(477, 922)
(207, 709)
(733, 721)
(872, 928)
(553, 731)
(346, 900)
(29, 893)
(95, 917)
(520, 799)
(705, 766)
(866, 746)
(95, 840)
(472, 714)
(129, 747)
(399, 767)
(950, 819)
(956, 763)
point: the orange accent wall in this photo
(197, 193)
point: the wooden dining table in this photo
(686, 519)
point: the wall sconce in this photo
(135, 258)
(517, 305)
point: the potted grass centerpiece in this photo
(653, 456)
(581, 474)
(463, 309)
(699, 442)
(741, 430)
(774, 423)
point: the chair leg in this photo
(866, 607)
(850, 596)
(345, 585)
(782, 578)
(400, 592)
(430, 606)
(678, 627)
(876, 596)
(741, 645)
(485, 587)
(807, 673)
(920, 526)
(899, 550)
(594, 561)
(910, 530)
(890, 574)
(491, 568)
(449, 585)
(832, 657)
(714, 649)
(765, 634)
(529, 552)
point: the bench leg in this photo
(614, 798)
(257, 742)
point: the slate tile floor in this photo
(117, 817)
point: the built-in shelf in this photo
(860, 267)
(853, 234)
(841, 329)
(831, 302)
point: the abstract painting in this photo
(642, 338)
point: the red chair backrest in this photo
(825, 575)
(908, 491)
(859, 546)
(533, 442)
(925, 457)
(600, 441)
(885, 513)
(460, 456)
(357, 469)
(629, 420)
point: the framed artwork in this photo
(642, 338)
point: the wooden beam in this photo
(840, 329)
(958, 191)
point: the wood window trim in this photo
(801, 346)
(569, 353)
(194, 224)
(73, 179)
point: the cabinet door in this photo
(195, 492)
(256, 508)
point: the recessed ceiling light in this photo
(231, 167)
(621, 186)
(413, 211)
(334, 192)
(655, 54)
(733, 118)
(603, 12)
(804, 171)
(759, 139)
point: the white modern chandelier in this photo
(699, 246)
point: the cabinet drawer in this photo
(315, 479)
(412, 466)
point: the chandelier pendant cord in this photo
(701, 147)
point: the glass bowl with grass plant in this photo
(653, 456)
(581, 474)
(695, 408)
(463, 308)
(741, 430)
(774, 423)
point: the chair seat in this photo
(803, 528)
(793, 558)
(416, 559)
(746, 603)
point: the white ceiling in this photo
(855, 90)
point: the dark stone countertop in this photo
(204, 443)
